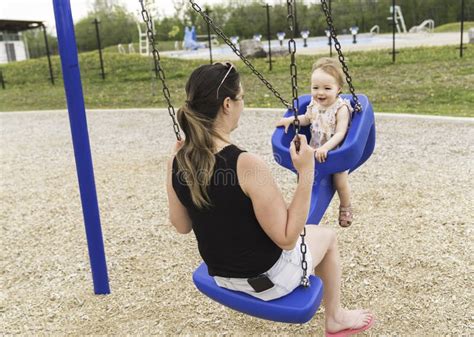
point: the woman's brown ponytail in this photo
(196, 117)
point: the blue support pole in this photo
(80, 139)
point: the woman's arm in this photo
(281, 223)
(178, 214)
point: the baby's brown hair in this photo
(332, 67)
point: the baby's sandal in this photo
(345, 216)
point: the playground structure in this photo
(375, 30)
(425, 26)
(130, 49)
(143, 44)
(396, 12)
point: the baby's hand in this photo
(321, 154)
(285, 122)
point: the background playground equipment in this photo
(235, 40)
(426, 26)
(190, 41)
(143, 46)
(130, 49)
(375, 30)
(397, 17)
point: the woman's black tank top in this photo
(230, 239)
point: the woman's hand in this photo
(303, 160)
(321, 154)
(177, 146)
(285, 122)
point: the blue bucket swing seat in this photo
(355, 150)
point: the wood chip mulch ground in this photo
(408, 255)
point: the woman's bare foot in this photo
(348, 319)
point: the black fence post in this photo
(207, 11)
(51, 76)
(461, 47)
(2, 80)
(96, 23)
(269, 37)
(393, 31)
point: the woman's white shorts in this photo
(285, 274)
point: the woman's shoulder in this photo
(249, 159)
(252, 170)
(250, 163)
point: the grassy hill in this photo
(423, 80)
(454, 27)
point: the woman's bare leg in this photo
(341, 184)
(322, 244)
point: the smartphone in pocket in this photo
(260, 283)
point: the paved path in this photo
(318, 45)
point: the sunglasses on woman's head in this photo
(226, 64)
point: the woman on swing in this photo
(247, 235)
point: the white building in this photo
(12, 47)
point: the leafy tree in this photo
(36, 44)
(116, 26)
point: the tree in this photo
(36, 44)
(116, 26)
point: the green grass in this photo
(423, 81)
(454, 27)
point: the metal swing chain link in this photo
(296, 123)
(219, 32)
(293, 68)
(158, 69)
(337, 45)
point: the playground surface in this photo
(408, 255)
(319, 45)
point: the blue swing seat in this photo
(297, 307)
(355, 150)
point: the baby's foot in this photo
(348, 319)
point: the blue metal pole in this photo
(80, 139)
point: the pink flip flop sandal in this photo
(349, 332)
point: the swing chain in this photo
(296, 123)
(219, 32)
(304, 265)
(293, 70)
(159, 73)
(337, 45)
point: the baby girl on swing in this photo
(329, 116)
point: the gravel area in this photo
(407, 256)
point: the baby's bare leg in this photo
(341, 183)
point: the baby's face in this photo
(324, 88)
